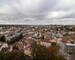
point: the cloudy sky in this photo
(37, 12)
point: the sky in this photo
(37, 12)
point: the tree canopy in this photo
(42, 53)
(2, 38)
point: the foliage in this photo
(42, 53)
(2, 54)
(15, 39)
(2, 38)
(73, 29)
(39, 52)
(20, 36)
(42, 37)
(14, 55)
(15, 48)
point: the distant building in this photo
(70, 51)
(70, 48)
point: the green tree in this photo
(15, 48)
(73, 29)
(39, 52)
(42, 53)
(20, 36)
(15, 39)
(42, 37)
(16, 55)
(2, 38)
(2, 54)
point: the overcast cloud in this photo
(37, 11)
